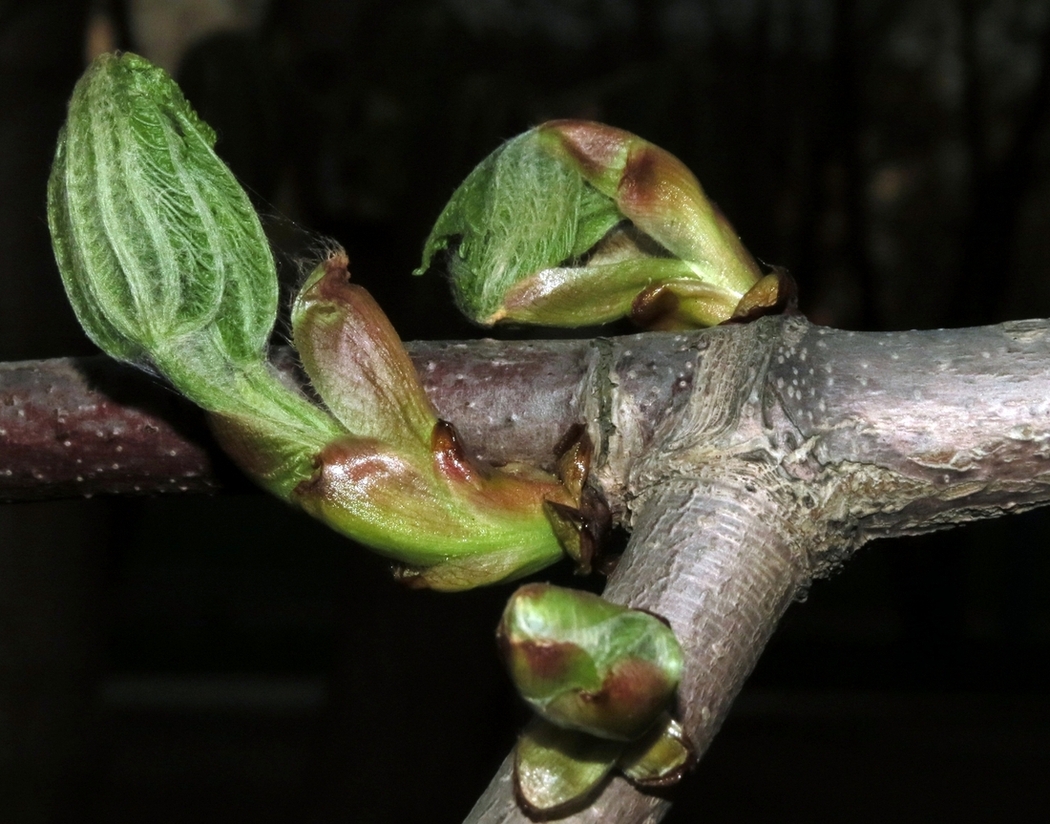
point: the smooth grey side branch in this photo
(746, 460)
(772, 451)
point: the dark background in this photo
(224, 659)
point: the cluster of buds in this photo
(601, 679)
(572, 223)
(575, 223)
(167, 266)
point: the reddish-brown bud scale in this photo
(450, 458)
(585, 664)
(595, 147)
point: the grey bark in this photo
(746, 460)
(790, 446)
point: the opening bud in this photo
(164, 260)
(167, 266)
(398, 478)
(585, 664)
(573, 222)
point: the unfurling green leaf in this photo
(571, 223)
(519, 212)
(163, 257)
(586, 664)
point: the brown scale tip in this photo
(574, 460)
(449, 455)
(596, 513)
(583, 529)
(335, 282)
(570, 528)
(775, 293)
(654, 306)
(572, 436)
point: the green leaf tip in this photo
(517, 213)
(164, 259)
(158, 245)
(576, 223)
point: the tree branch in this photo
(925, 429)
(722, 569)
(74, 427)
(789, 447)
(747, 459)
